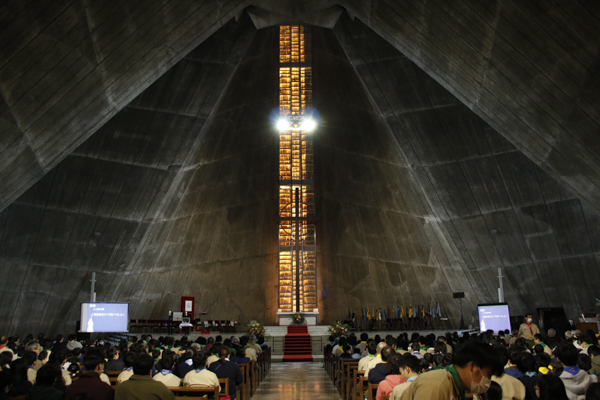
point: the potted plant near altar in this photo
(338, 329)
(256, 328)
(298, 319)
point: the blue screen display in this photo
(493, 316)
(104, 317)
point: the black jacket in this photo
(228, 370)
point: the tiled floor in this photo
(296, 381)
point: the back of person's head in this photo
(514, 355)
(393, 363)
(390, 341)
(584, 339)
(342, 341)
(502, 353)
(30, 357)
(380, 346)
(552, 388)
(72, 336)
(372, 347)
(438, 360)
(386, 352)
(217, 348)
(128, 359)
(91, 360)
(415, 346)
(48, 375)
(5, 359)
(428, 357)
(567, 354)
(539, 337)
(409, 361)
(18, 371)
(199, 360)
(584, 362)
(593, 392)
(440, 347)
(224, 353)
(155, 353)
(527, 363)
(218, 339)
(352, 340)
(346, 348)
(538, 348)
(481, 354)
(377, 338)
(111, 352)
(593, 351)
(167, 362)
(543, 360)
(423, 365)
(143, 364)
(493, 393)
(364, 336)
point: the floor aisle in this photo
(296, 381)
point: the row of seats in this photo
(246, 390)
(348, 380)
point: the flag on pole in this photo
(410, 311)
(368, 314)
(439, 313)
(415, 311)
(402, 312)
(423, 309)
(398, 312)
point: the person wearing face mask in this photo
(474, 365)
(528, 330)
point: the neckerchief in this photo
(530, 374)
(412, 378)
(542, 344)
(129, 369)
(198, 370)
(166, 372)
(530, 328)
(189, 361)
(572, 370)
(424, 348)
(454, 373)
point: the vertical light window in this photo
(297, 240)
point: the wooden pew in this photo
(360, 385)
(349, 382)
(342, 374)
(244, 388)
(372, 389)
(189, 393)
(112, 377)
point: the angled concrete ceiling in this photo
(492, 110)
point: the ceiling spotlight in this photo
(309, 125)
(283, 124)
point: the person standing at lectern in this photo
(528, 330)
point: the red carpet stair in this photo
(297, 345)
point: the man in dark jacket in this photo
(89, 382)
(380, 371)
(44, 385)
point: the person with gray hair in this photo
(252, 344)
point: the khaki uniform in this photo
(204, 378)
(169, 379)
(512, 388)
(527, 333)
(140, 387)
(433, 385)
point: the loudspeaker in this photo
(458, 295)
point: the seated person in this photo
(141, 386)
(89, 382)
(113, 364)
(199, 376)
(409, 366)
(576, 381)
(371, 353)
(346, 352)
(165, 374)
(227, 369)
(19, 385)
(44, 388)
(128, 360)
(214, 353)
(381, 370)
(185, 364)
(393, 377)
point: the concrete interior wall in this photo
(486, 115)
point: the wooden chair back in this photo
(188, 392)
(372, 389)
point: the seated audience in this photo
(128, 361)
(165, 374)
(90, 382)
(409, 366)
(141, 386)
(200, 376)
(185, 364)
(371, 353)
(550, 387)
(474, 364)
(113, 364)
(381, 370)
(375, 360)
(592, 392)
(393, 378)
(227, 369)
(594, 352)
(44, 389)
(528, 368)
(19, 385)
(575, 380)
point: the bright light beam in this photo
(309, 125)
(283, 124)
